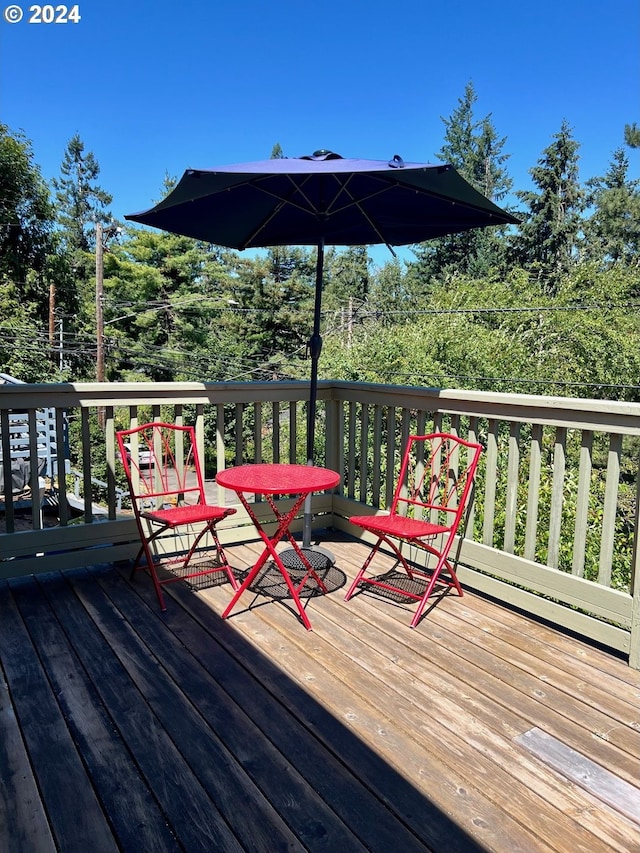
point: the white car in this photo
(145, 457)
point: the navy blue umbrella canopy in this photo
(320, 200)
(324, 199)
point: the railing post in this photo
(634, 638)
(634, 586)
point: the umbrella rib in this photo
(357, 203)
(282, 199)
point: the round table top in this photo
(278, 479)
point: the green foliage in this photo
(470, 336)
(26, 213)
(632, 135)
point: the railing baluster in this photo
(6, 471)
(376, 473)
(86, 466)
(275, 417)
(293, 432)
(239, 449)
(582, 504)
(557, 497)
(610, 510)
(364, 452)
(533, 493)
(390, 473)
(110, 451)
(61, 467)
(513, 475)
(490, 485)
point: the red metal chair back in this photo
(162, 465)
(435, 481)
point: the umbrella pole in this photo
(315, 348)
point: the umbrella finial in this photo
(322, 154)
(396, 162)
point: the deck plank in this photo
(180, 730)
(192, 815)
(75, 821)
(238, 748)
(23, 823)
(132, 812)
(467, 709)
(418, 722)
(219, 648)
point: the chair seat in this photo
(399, 526)
(190, 514)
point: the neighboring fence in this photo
(554, 520)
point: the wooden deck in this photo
(122, 728)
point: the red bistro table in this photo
(278, 479)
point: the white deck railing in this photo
(554, 520)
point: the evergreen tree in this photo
(81, 202)
(548, 237)
(632, 135)
(474, 148)
(346, 277)
(612, 234)
(163, 296)
(390, 294)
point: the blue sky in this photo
(155, 87)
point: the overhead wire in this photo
(76, 344)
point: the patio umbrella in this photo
(323, 199)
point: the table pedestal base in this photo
(318, 557)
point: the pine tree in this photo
(632, 135)
(81, 202)
(346, 277)
(474, 148)
(611, 232)
(548, 238)
(33, 265)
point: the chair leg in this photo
(150, 567)
(224, 563)
(364, 568)
(443, 563)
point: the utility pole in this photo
(99, 305)
(100, 317)
(52, 319)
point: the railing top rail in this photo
(602, 415)
(581, 413)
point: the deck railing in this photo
(553, 525)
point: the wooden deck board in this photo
(423, 723)
(124, 728)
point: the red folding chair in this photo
(165, 480)
(429, 502)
